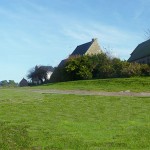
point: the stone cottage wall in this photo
(94, 48)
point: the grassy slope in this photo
(118, 84)
(49, 121)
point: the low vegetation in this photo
(31, 120)
(97, 67)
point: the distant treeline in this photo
(10, 83)
(97, 67)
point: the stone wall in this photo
(94, 48)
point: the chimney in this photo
(94, 39)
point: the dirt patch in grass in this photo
(85, 92)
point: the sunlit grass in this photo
(137, 84)
(48, 121)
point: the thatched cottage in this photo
(141, 54)
(89, 48)
(23, 82)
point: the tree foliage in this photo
(39, 73)
(79, 68)
(96, 67)
(10, 83)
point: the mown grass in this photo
(49, 121)
(138, 84)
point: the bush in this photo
(145, 70)
(97, 66)
(78, 68)
(131, 70)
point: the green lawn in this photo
(137, 84)
(52, 122)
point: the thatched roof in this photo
(141, 51)
(81, 49)
(23, 82)
(91, 47)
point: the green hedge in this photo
(97, 67)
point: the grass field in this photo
(37, 121)
(137, 84)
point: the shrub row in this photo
(97, 67)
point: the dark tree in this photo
(10, 83)
(39, 73)
(4, 83)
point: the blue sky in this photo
(43, 32)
